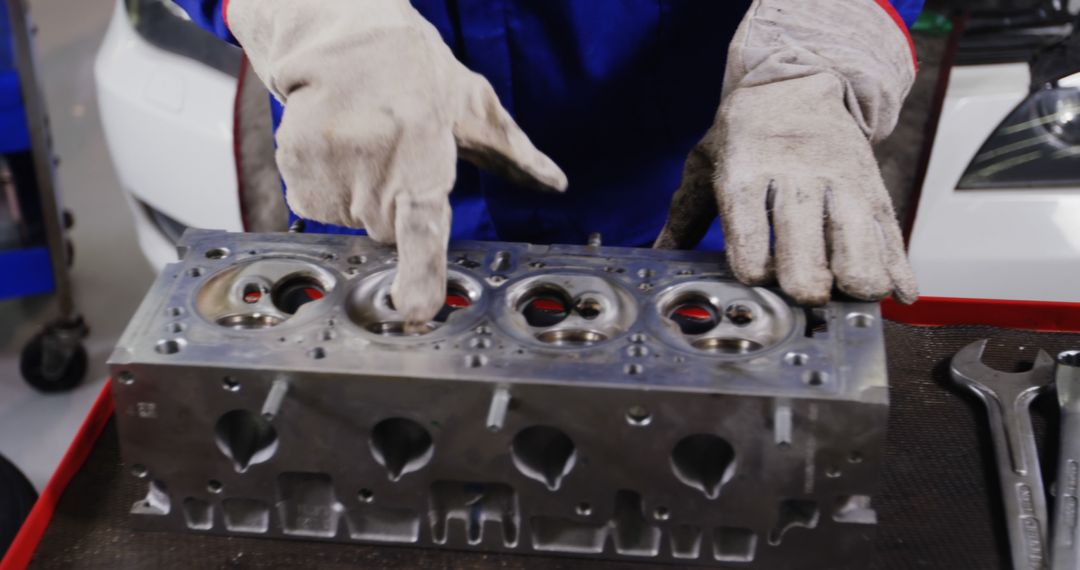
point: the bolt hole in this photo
(217, 253)
(317, 353)
(860, 320)
(230, 384)
(646, 273)
(175, 311)
(327, 256)
(175, 328)
(637, 351)
(583, 509)
(637, 338)
(214, 486)
(480, 343)
(196, 272)
(126, 378)
(832, 472)
(796, 358)
(638, 416)
(634, 369)
(475, 360)
(855, 457)
(169, 346)
(357, 260)
(139, 470)
(366, 495)
(815, 377)
(661, 514)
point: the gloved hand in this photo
(809, 86)
(377, 112)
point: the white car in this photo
(985, 227)
(999, 212)
(167, 91)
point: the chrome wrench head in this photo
(969, 370)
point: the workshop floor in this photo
(110, 274)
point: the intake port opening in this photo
(261, 294)
(703, 461)
(571, 309)
(722, 318)
(401, 445)
(544, 454)
(457, 299)
(296, 290)
(545, 306)
(245, 437)
(694, 314)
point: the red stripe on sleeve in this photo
(225, 12)
(888, 7)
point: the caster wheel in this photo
(17, 497)
(51, 363)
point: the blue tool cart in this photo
(34, 251)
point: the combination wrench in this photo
(1065, 552)
(1008, 397)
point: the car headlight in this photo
(1038, 144)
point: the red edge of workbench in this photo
(929, 311)
(26, 542)
(1043, 316)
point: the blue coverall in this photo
(617, 92)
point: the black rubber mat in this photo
(939, 506)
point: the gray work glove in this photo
(377, 112)
(809, 86)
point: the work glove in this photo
(810, 85)
(377, 111)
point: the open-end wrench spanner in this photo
(1007, 397)
(1065, 553)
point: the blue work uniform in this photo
(616, 92)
